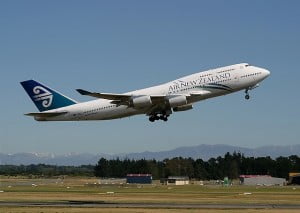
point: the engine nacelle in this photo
(177, 101)
(142, 101)
(183, 108)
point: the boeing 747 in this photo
(157, 102)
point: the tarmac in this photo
(100, 204)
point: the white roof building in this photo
(178, 180)
(264, 180)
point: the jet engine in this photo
(141, 101)
(177, 101)
(183, 108)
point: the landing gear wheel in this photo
(151, 119)
(247, 96)
(155, 117)
(164, 117)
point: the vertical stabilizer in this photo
(44, 97)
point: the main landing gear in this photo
(156, 117)
(247, 96)
(153, 118)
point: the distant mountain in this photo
(205, 152)
(202, 151)
(72, 159)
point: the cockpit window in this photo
(247, 65)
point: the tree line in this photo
(46, 170)
(230, 165)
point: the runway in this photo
(100, 204)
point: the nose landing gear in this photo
(247, 96)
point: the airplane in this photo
(157, 102)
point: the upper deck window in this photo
(225, 70)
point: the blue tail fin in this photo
(44, 97)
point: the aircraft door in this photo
(236, 76)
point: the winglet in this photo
(83, 92)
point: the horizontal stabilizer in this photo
(45, 114)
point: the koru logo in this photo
(42, 94)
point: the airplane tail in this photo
(44, 97)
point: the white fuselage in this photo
(208, 84)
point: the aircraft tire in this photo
(151, 119)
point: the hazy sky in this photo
(118, 46)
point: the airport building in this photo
(112, 181)
(178, 180)
(294, 178)
(261, 180)
(139, 178)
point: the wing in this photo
(108, 96)
(121, 99)
(124, 98)
(157, 103)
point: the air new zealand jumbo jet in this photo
(157, 102)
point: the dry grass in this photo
(85, 189)
(137, 210)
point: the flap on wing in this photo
(108, 96)
(45, 114)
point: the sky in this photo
(119, 46)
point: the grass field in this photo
(88, 189)
(127, 210)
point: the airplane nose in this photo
(266, 73)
